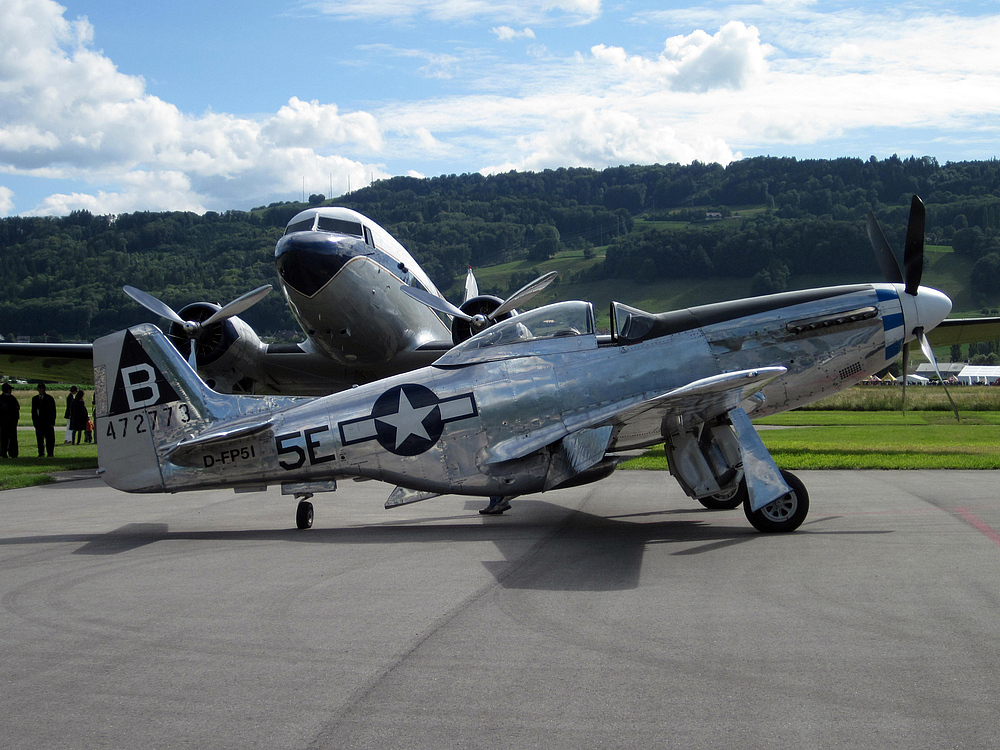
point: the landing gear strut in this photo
(304, 513)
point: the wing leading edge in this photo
(692, 403)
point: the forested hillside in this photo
(765, 219)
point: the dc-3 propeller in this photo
(195, 330)
(909, 275)
(479, 312)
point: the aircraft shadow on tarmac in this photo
(581, 552)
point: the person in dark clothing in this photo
(78, 417)
(10, 413)
(43, 417)
(69, 413)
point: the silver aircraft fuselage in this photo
(523, 407)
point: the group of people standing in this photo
(79, 426)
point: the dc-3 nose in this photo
(925, 309)
(306, 261)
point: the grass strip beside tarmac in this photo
(872, 440)
(28, 470)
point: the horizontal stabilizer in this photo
(214, 438)
(209, 448)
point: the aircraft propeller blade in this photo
(913, 251)
(883, 252)
(153, 305)
(471, 286)
(238, 305)
(913, 254)
(906, 362)
(524, 294)
(925, 347)
(434, 302)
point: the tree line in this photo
(782, 216)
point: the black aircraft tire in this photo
(786, 513)
(732, 498)
(304, 515)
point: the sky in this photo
(214, 105)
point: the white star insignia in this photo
(408, 420)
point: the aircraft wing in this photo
(689, 404)
(53, 363)
(964, 331)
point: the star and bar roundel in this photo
(408, 419)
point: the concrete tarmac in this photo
(615, 615)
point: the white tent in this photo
(979, 374)
(913, 379)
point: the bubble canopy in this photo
(570, 325)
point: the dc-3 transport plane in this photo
(530, 404)
(342, 277)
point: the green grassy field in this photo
(28, 470)
(856, 440)
(862, 428)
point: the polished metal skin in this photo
(533, 403)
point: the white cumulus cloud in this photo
(507, 34)
(69, 112)
(609, 137)
(733, 58)
(6, 201)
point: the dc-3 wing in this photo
(584, 442)
(964, 331)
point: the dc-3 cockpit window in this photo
(340, 226)
(305, 225)
(562, 319)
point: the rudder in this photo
(147, 398)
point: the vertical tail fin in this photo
(146, 397)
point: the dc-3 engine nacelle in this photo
(229, 352)
(477, 308)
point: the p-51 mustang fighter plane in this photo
(533, 403)
(342, 276)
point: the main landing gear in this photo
(728, 499)
(786, 513)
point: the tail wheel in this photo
(786, 513)
(304, 515)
